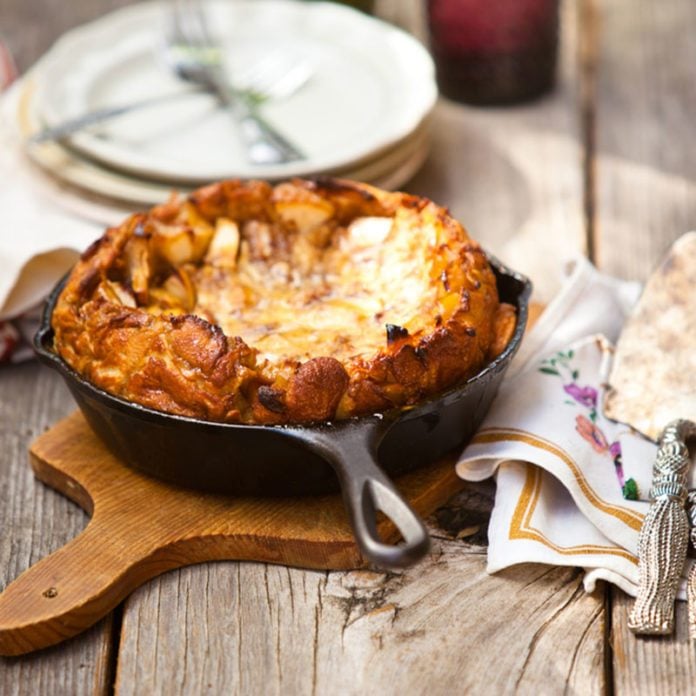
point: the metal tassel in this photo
(691, 581)
(664, 536)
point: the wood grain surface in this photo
(445, 627)
(644, 103)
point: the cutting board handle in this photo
(141, 527)
(77, 585)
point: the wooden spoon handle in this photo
(74, 587)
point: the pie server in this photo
(652, 387)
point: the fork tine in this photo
(276, 75)
(256, 75)
(197, 58)
(182, 28)
(287, 83)
(200, 53)
(189, 37)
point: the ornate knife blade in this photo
(653, 388)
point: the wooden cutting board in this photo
(141, 527)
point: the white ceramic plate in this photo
(372, 85)
(392, 168)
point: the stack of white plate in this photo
(361, 114)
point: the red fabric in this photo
(8, 71)
(9, 340)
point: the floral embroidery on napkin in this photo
(560, 365)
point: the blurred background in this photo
(550, 126)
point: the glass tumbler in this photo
(494, 51)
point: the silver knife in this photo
(652, 387)
(71, 126)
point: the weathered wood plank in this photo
(646, 171)
(141, 527)
(650, 665)
(241, 628)
(35, 521)
(645, 197)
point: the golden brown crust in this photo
(296, 303)
(505, 323)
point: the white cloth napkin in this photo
(571, 485)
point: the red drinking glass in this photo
(494, 51)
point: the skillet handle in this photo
(365, 491)
(351, 448)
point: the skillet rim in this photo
(51, 358)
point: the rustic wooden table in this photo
(605, 166)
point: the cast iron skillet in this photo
(356, 454)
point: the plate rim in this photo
(93, 148)
(79, 174)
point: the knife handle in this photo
(664, 535)
(73, 125)
(264, 144)
(691, 578)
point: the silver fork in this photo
(195, 57)
(270, 80)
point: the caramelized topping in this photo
(260, 304)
